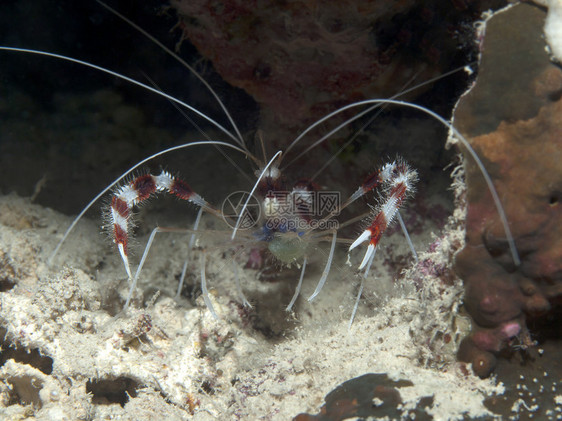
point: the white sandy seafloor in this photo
(172, 360)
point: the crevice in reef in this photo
(32, 357)
(109, 391)
(25, 391)
(6, 284)
(7, 274)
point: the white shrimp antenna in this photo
(135, 82)
(361, 114)
(205, 135)
(126, 173)
(262, 174)
(183, 62)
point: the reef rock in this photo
(513, 119)
(301, 60)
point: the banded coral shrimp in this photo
(189, 180)
(168, 364)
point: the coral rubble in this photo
(513, 119)
(64, 356)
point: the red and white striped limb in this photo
(398, 181)
(136, 191)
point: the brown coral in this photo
(513, 119)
